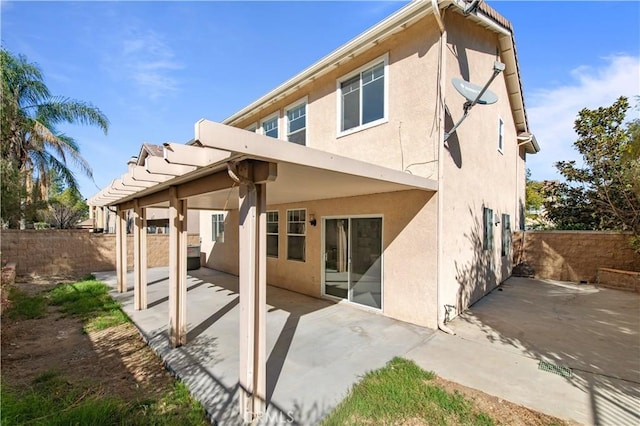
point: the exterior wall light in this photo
(312, 220)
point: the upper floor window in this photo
(270, 127)
(252, 128)
(500, 134)
(363, 96)
(296, 234)
(297, 123)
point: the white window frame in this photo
(500, 135)
(216, 235)
(487, 229)
(276, 234)
(385, 118)
(275, 115)
(322, 260)
(306, 115)
(253, 127)
(297, 235)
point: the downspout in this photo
(441, 112)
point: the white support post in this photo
(121, 250)
(252, 282)
(177, 269)
(140, 258)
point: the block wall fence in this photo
(75, 252)
(574, 255)
(559, 255)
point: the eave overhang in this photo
(484, 15)
(490, 19)
(395, 23)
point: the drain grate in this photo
(555, 369)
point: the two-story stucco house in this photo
(412, 254)
(348, 182)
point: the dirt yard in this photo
(116, 361)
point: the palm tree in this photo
(30, 141)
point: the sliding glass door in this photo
(353, 259)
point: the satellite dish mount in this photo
(475, 94)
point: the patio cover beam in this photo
(241, 142)
(148, 200)
(140, 174)
(210, 183)
(159, 166)
(191, 155)
(129, 181)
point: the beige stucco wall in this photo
(224, 252)
(476, 174)
(409, 231)
(407, 140)
(76, 252)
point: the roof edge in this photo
(411, 12)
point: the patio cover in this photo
(224, 167)
(303, 173)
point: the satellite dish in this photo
(470, 91)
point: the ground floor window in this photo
(272, 234)
(296, 234)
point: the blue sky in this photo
(155, 68)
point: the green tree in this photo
(12, 192)
(534, 196)
(534, 199)
(66, 209)
(30, 142)
(599, 194)
(631, 156)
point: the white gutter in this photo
(442, 62)
(437, 15)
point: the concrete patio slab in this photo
(500, 341)
(316, 349)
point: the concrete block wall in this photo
(619, 280)
(574, 255)
(75, 252)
